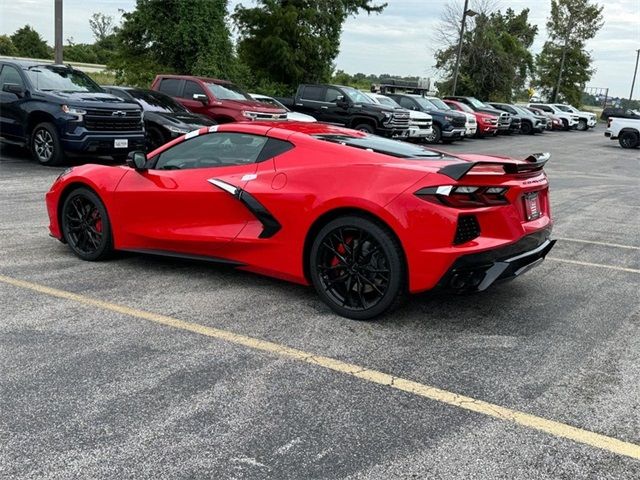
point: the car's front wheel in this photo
(435, 135)
(45, 145)
(582, 125)
(526, 128)
(357, 267)
(629, 139)
(85, 225)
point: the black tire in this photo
(526, 128)
(85, 225)
(582, 125)
(45, 146)
(365, 127)
(629, 139)
(565, 124)
(357, 267)
(436, 136)
(155, 138)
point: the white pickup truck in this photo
(625, 130)
(585, 119)
(569, 120)
(420, 123)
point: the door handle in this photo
(299, 105)
(323, 107)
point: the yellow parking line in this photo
(599, 265)
(551, 427)
(592, 242)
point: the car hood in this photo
(251, 105)
(88, 99)
(416, 115)
(376, 107)
(178, 118)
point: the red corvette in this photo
(363, 219)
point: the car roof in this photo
(194, 77)
(24, 64)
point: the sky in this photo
(398, 41)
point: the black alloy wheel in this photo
(629, 139)
(526, 128)
(85, 225)
(45, 145)
(357, 268)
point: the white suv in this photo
(585, 119)
(420, 123)
(569, 120)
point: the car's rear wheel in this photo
(45, 144)
(582, 125)
(85, 225)
(357, 267)
(629, 139)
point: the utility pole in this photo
(635, 72)
(465, 12)
(58, 31)
(564, 55)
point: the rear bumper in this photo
(478, 271)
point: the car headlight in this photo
(249, 115)
(73, 110)
(180, 130)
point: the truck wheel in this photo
(629, 139)
(436, 134)
(365, 127)
(565, 125)
(155, 138)
(526, 128)
(45, 144)
(582, 125)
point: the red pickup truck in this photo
(219, 100)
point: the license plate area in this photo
(532, 206)
(121, 143)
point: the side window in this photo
(170, 86)
(312, 92)
(10, 74)
(407, 103)
(332, 94)
(191, 88)
(221, 149)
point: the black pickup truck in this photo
(348, 107)
(57, 111)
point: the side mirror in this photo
(341, 101)
(137, 160)
(14, 88)
(201, 97)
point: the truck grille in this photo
(422, 124)
(459, 121)
(505, 120)
(113, 120)
(399, 120)
(266, 116)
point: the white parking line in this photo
(606, 244)
(599, 265)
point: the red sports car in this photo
(364, 219)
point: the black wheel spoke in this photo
(81, 222)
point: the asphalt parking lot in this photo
(90, 388)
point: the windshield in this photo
(521, 110)
(426, 104)
(227, 91)
(440, 104)
(62, 79)
(156, 102)
(356, 96)
(476, 103)
(465, 108)
(272, 102)
(389, 102)
(564, 108)
(382, 145)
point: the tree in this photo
(29, 43)
(7, 47)
(174, 36)
(495, 59)
(563, 65)
(287, 42)
(101, 25)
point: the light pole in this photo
(633, 82)
(466, 12)
(58, 31)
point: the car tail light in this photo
(464, 196)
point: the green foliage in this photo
(79, 52)
(286, 42)
(363, 81)
(173, 36)
(29, 43)
(7, 47)
(570, 25)
(495, 59)
(101, 25)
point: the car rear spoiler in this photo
(534, 162)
